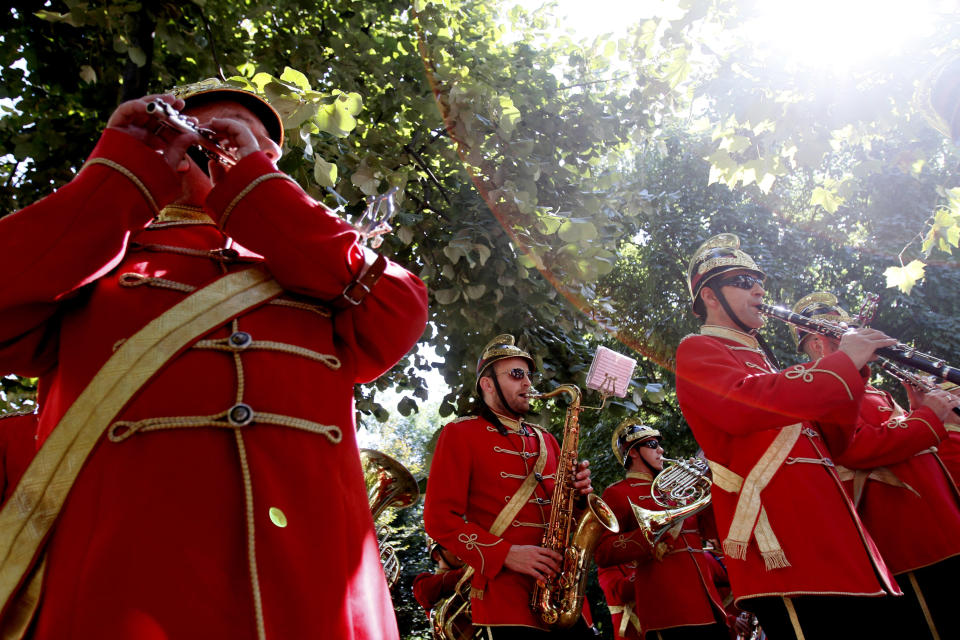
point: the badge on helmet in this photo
(629, 434)
(502, 347)
(719, 254)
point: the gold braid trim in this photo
(806, 375)
(247, 189)
(223, 344)
(251, 537)
(123, 429)
(130, 176)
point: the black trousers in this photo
(700, 632)
(579, 631)
(825, 617)
(936, 603)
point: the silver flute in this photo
(169, 117)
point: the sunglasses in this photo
(650, 444)
(519, 374)
(742, 281)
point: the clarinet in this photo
(901, 353)
(169, 117)
(919, 383)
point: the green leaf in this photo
(577, 230)
(295, 78)
(137, 56)
(87, 74)
(325, 173)
(905, 278)
(826, 199)
(446, 296)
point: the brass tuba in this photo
(560, 601)
(389, 484)
(682, 488)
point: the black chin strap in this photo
(503, 400)
(743, 327)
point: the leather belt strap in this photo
(29, 514)
(354, 293)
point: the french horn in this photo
(682, 488)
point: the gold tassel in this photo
(775, 559)
(735, 549)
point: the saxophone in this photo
(560, 601)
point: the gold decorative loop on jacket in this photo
(471, 543)
(224, 254)
(123, 429)
(901, 422)
(130, 279)
(535, 525)
(319, 309)
(806, 375)
(226, 344)
(623, 540)
(526, 455)
(504, 474)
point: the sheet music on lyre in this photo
(610, 372)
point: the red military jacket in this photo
(676, 590)
(268, 518)
(906, 498)
(18, 443)
(474, 473)
(795, 531)
(949, 449)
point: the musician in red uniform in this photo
(494, 471)
(666, 591)
(795, 550)
(949, 449)
(431, 587)
(197, 339)
(906, 498)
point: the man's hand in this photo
(941, 402)
(861, 345)
(132, 118)
(581, 481)
(542, 564)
